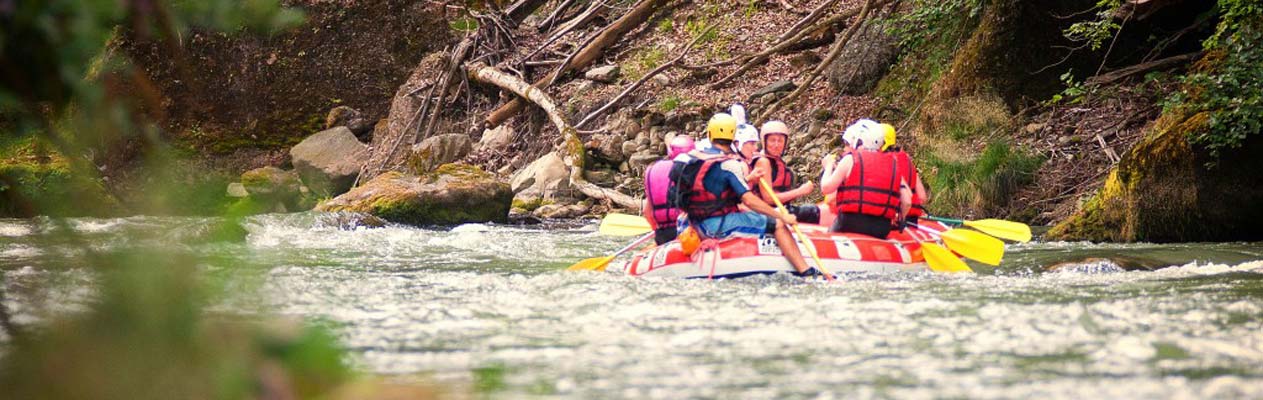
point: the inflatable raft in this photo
(740, 256)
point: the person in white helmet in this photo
(769, 164)
(870, 195)
(746, 142)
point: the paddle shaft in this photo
(806, 241)
(947, 220)
(638, 242)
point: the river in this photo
(488, 309)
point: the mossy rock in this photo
(1163, 191)
(453, 194)
(28, 189)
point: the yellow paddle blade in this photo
(1010, 230)
(975, 245)
(941, 260)
(592, 264)
(624, 225)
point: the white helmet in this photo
(739, 112)
(860, 135)
(746, 133)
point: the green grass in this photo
(983, 184)
(669, 103)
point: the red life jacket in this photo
(782, 177)
(657, 184)
(872, 188)
(702, 203)
(910, 175)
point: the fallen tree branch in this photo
(521, 9)
(812, 17)
(644, 79)
(1142, 68)
(571, 148)
(555, 15)
(585, 56)
(833, 55)
(577, 21)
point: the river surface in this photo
(487, 309)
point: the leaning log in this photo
(571, 148)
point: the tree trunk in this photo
(571, 148)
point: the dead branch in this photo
(585, 56)
(812, 17)
(555, 15)
(1142, 68)
(749, 62)
(519, 10)
(644, 79)
(833, 55)
(571, 147)
(578, 21)
(459, 55)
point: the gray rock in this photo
(438, 150)
(558, 211)
(631, 147)
(271, 183)
(329, 161)
(661, 80)
(1034, 127)
(350, 118)
(864, 60)
(600, 177)
(604, 74)
(497, 138)
(237, 190)
(610, 147)
(640, 161)
(457, 194)
(548, 177)
(774, 87)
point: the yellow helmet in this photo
(889, 131)
(721, 126)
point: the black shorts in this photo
(874, 226)
(806, 213)
(665, 234)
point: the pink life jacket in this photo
(657, 181)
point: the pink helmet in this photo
(679, 145)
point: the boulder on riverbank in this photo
(453, 194)
(329, 161)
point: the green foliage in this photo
(645, 60)
(1093, 33)
(928, 19)
(465, 24)
(1072, 94)
(666, 25)
(752, 7)
(982, 184)
(669, 103)
(145, 333)
(1228, 85)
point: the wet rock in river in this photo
(453, 194)
(329, 161)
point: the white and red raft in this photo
(740, 256)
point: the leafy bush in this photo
(1228, 82)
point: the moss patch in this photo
(978, 186)
(35, 181)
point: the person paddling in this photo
(660, 215)
(909, 173)
(710, 184)
(781, 178)
(871, 194)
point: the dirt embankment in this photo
(223, 92)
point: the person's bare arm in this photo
(758, 205)
(905, 198)
(831, 182)
(925, 194)
(647, 212)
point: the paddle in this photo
(1015, 231)
(616, 224)
(940, 259)
(972, 244)
(599, 263)
(798, 234)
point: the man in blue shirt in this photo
(714, 211)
